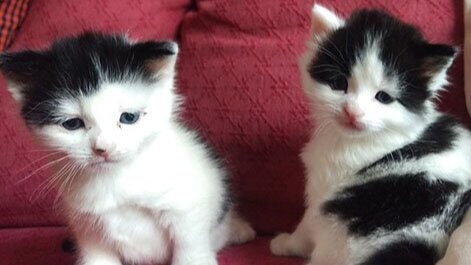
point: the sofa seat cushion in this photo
(45, 245)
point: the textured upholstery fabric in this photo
(238, 73)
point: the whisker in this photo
(42, 167)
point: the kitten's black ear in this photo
(160, 56)
(435, 61)
(20, 69)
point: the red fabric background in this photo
(238, 72)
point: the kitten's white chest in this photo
(140, 235)
(325, 171)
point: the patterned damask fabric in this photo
(238, 73)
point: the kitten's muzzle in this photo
(351, 117)
(102, 153)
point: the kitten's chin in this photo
(352, 130)
(100, 165)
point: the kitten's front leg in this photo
(92, 253)
(192, 242)
(299, 243)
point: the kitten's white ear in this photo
(324, 21)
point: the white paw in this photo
(279, 245)
(241, 231)
(196, 261)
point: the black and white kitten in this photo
(137, 186)
(388, 175)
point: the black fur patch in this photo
(390, 202)
(228, 201)
(403, 51)
(228, 197)
(74, 66)
(404, 253)
(437, 138)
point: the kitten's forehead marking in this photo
(369, 71)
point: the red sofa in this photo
(238, 72)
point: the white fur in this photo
(324, 21)
(334, 154)
(158, 196)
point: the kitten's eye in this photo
(73, 124)
(339, 84)
(129, 118)
(384, 97)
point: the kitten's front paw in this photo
(279, 245)
(241, 231)
(196, 260)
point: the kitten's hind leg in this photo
(299, 243)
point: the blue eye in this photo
(129, 118)
(73, 124)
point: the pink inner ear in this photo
(319, 27)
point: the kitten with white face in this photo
(387, 175)
(140, 187)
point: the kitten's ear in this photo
(324, 21)
(160, 56)
(20, 69)
(435, 61)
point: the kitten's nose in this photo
(352, 114)
(100, 152)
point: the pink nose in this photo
(100, 152)
(351, 115)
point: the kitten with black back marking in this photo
(388, 176)
(137, 186)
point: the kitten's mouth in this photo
(351, 125)
(103, 162)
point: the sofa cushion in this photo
(45, 245)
